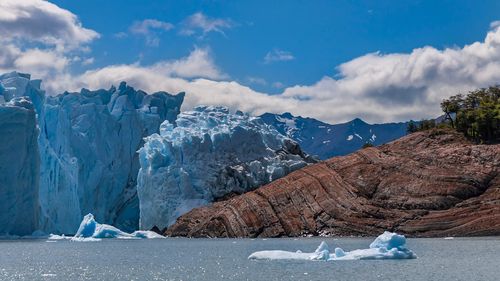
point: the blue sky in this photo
(313, 58)
(319, 34)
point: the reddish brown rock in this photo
(431, 183)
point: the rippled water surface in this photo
(226, 259)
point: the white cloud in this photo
(149, 28)
(43, 22)
(389, 87)
(278, 55)
(199, 22)
(199, 64)
(41, 61)
(377, 87)
(41, 38)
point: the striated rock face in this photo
(426, 184)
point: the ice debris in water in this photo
(386, 246)
(91, 230)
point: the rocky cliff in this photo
(432, 183)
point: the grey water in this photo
(226, 259)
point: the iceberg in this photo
(90, 230)
(386, 246)
(209, 154)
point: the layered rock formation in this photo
(432, 183)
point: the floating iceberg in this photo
(209, 154)
(386, 246)
(90, 230)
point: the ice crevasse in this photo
(388, 245)
(209, 154)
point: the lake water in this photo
(226, 259)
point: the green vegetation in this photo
(422, 125)
(476, 115)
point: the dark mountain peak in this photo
(287, 115)
(359, 121)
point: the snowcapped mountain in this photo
(327, 140)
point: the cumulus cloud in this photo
(43, 22)
(41, 38)
(150, 28)
(199, 22)
(385, 87)
(278, 55)
(199, 64)
(377, 87)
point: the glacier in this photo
(89, 142)
(388, 245)
(128, 157)
(19, 165)
(211, 153)
(84, 158)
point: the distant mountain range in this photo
(326, 140)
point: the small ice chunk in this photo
(339, 252)
(91, 230)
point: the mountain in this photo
(211, 153)
(326, 140)
(430, 183)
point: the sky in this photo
(382, 61)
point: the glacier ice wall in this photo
(90, 141)
(88, 146)
(19, 162)
(209, 154)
